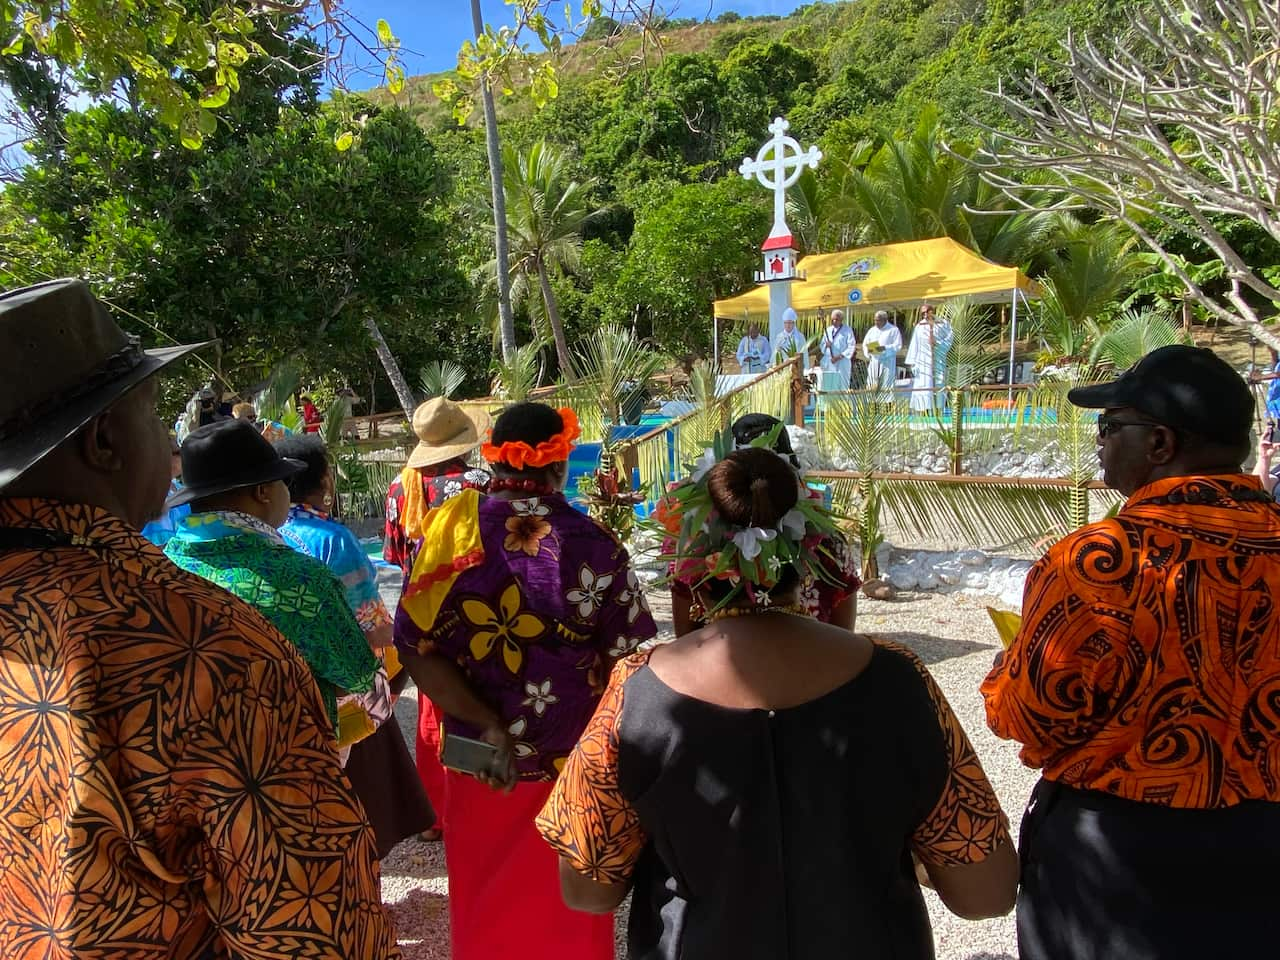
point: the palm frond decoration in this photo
(977, 513)
(585, 403)
(442, 378)
(611, 363)
(522, 374)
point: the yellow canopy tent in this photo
(891, 275)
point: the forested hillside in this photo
(310, 229)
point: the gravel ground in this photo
(954, 637)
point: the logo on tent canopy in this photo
(855, 295)
(860, 269)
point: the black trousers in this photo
(1109, 878)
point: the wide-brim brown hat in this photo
(445, 430)
(229, 455)
(63, 360)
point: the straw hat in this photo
(63, 360)
(445, 430)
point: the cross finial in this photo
(785, 169)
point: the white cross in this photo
(786, 169)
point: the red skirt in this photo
(504, 881)
(427, 757)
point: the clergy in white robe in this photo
(880, 346)
(837, 347)
(754, 351)
(790, 341)
(927, 358)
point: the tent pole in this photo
(1013, 339)
(715, 341)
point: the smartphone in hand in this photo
(467, 755)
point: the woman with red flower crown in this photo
(514, 611)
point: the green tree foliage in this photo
(183, 62)
(546, 213)
(914, 188)
(702, 243)
(270, 239)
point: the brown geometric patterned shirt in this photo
(169, 787)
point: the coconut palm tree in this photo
(546, 211)
(1084, 286)
(918, 188)
(506, 321)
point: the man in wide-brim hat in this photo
(235, 485)
(437, 469)
(146, 715)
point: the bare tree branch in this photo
(1165, 132)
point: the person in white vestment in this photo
(880, 346)
(754, 351)
(838, 345)
(927, 358)
(790, 341)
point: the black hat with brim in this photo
(70, 363)
(1189, 389)
(229, 455)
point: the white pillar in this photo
(779, 300)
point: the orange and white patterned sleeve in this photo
(587, 820)
(966, 825)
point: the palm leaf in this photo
(442, 378)
(1133, 335)
(610, 362)
(276, 401)
(522, 374)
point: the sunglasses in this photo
(1108, 425)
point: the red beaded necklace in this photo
(533, 488)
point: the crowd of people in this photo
(201, 759)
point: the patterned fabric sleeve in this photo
(625, 621)
(966, 825)
(341, 655)
(359, 580)
(586, 820)
(843, 566)
(296, 864)
(395, 546)
(1062, 676)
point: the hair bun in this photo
(753, 487)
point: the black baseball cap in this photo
(1189, 389)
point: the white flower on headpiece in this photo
(792, 524)
(703, 464)
(749, 540)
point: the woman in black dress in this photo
(765, 785)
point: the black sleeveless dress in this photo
(775, 834)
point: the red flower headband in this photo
(518, 455)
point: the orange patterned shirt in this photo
(589, 822)
(169, 788)
(1148, 661)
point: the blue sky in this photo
(431, 32)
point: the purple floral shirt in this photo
(537, 626)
